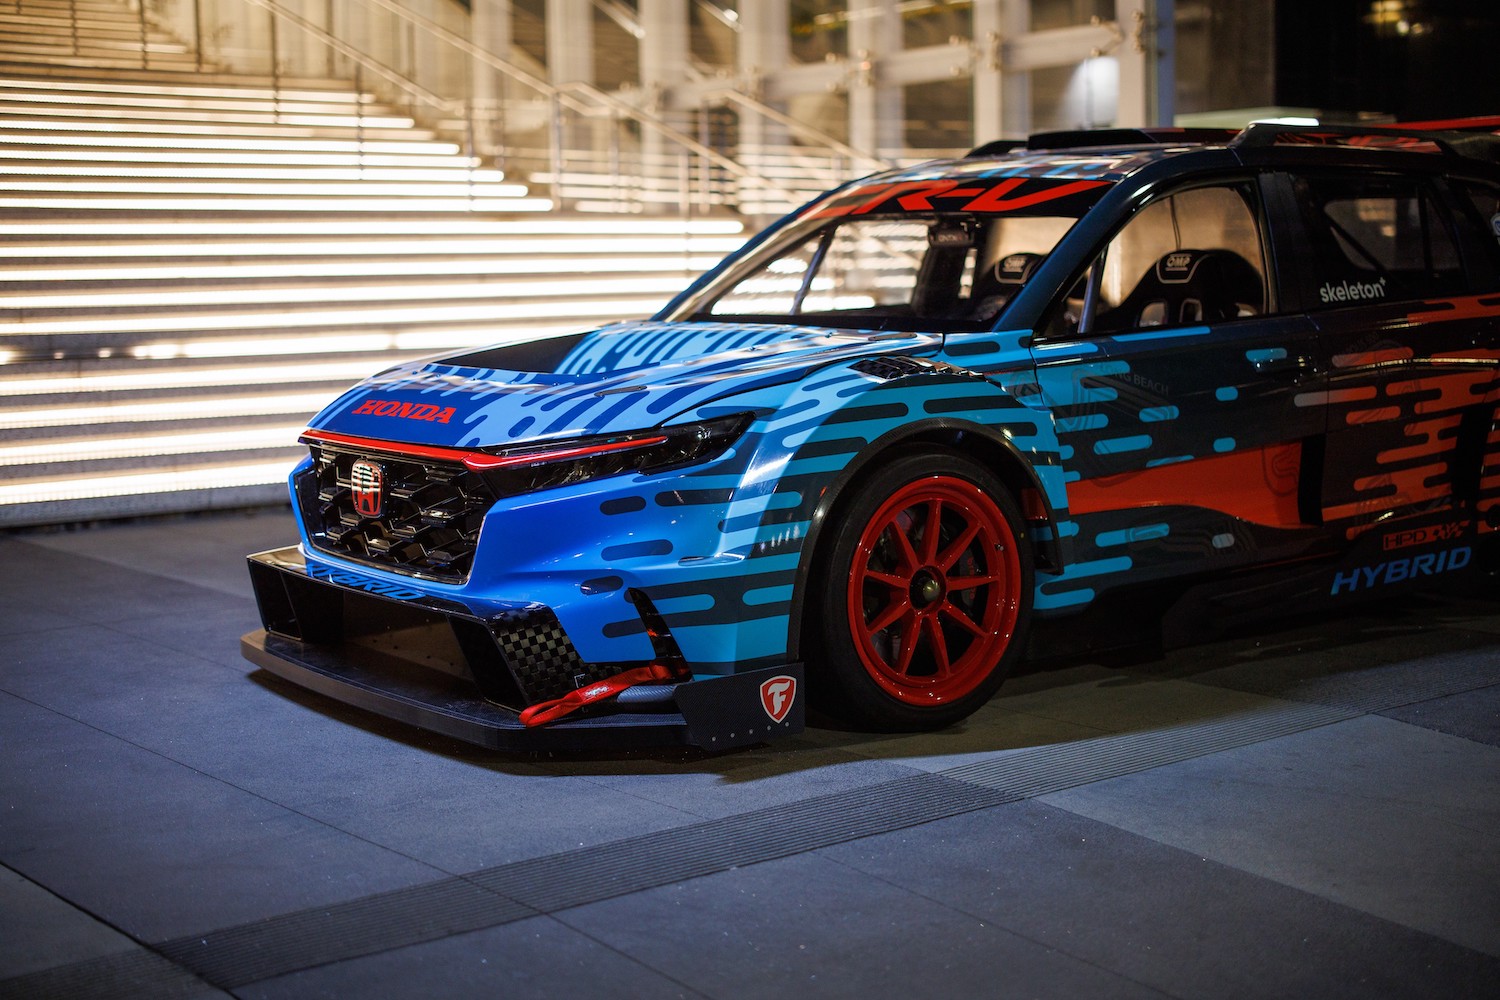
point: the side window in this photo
(1485, 219)
(1194, 256)
(1379, 238)
(1486, 200)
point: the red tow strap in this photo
(550, 711)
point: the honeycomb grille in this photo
(429, 511)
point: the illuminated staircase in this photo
(196, 262)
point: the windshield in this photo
(855, 263)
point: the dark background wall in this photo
(1414, 59)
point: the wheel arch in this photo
(985, 445)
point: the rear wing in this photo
(1478, 138)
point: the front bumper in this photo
(467, 673)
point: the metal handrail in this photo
(576, 95)
(343, 48)
(821, 138)
(580, 98)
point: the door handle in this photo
(1297, 366)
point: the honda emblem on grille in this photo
(367, 483)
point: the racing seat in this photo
(1186, 287)
(1000, 282)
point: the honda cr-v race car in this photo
(1097, 386)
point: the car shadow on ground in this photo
(1402, 651)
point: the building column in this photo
(1146, 62)
(1002, 99)
(764, 51)
(570, 59)
(491, 31)
(570, 41)
(877, 117)
(664, 66)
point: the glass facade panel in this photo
(936, 23)
(1069, 13)
(820, 29)
(940, 115)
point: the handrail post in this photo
(565, 99)
(705, 137)
(472, 82)
(275, 68)
(140, 10)
(555, 151)
(359, 115)
(198, 35)
(616, 167)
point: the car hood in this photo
(621, 377)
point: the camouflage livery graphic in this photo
(1157, 385)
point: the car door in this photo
(1183, 397)
(1410, 341)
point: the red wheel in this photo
(932, 600)
(928, 593)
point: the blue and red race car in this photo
(1094, 389)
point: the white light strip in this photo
(24, 96)
(425, 339)
(605, 247)
(478, 336)
(21, 94)
(357, 159)
(132, 120)
(246, 90)
(266, 347)
(361, 269)
(391, 227)
(179, 131)
(413, 146)
(318, 294)
(274, 205)
(343, 190)
(96, 412)
(383, 316)
(149, 446)
(236, 172)
(194, 378)
(138, 484)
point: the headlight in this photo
(534, 467)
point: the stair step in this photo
(291, 145)
(200, 260)
(223, 486)
(23, 95)
(177, 61)
(207, 84)
(34, 129)
(28, 285)
(23, 28)
(124, 306)
(50, 382)
(191, 187)
(174, 84)
(80, 172)
(127, 117)
(15, 159)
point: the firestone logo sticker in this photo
(777, 696)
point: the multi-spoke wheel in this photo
(926, 594)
